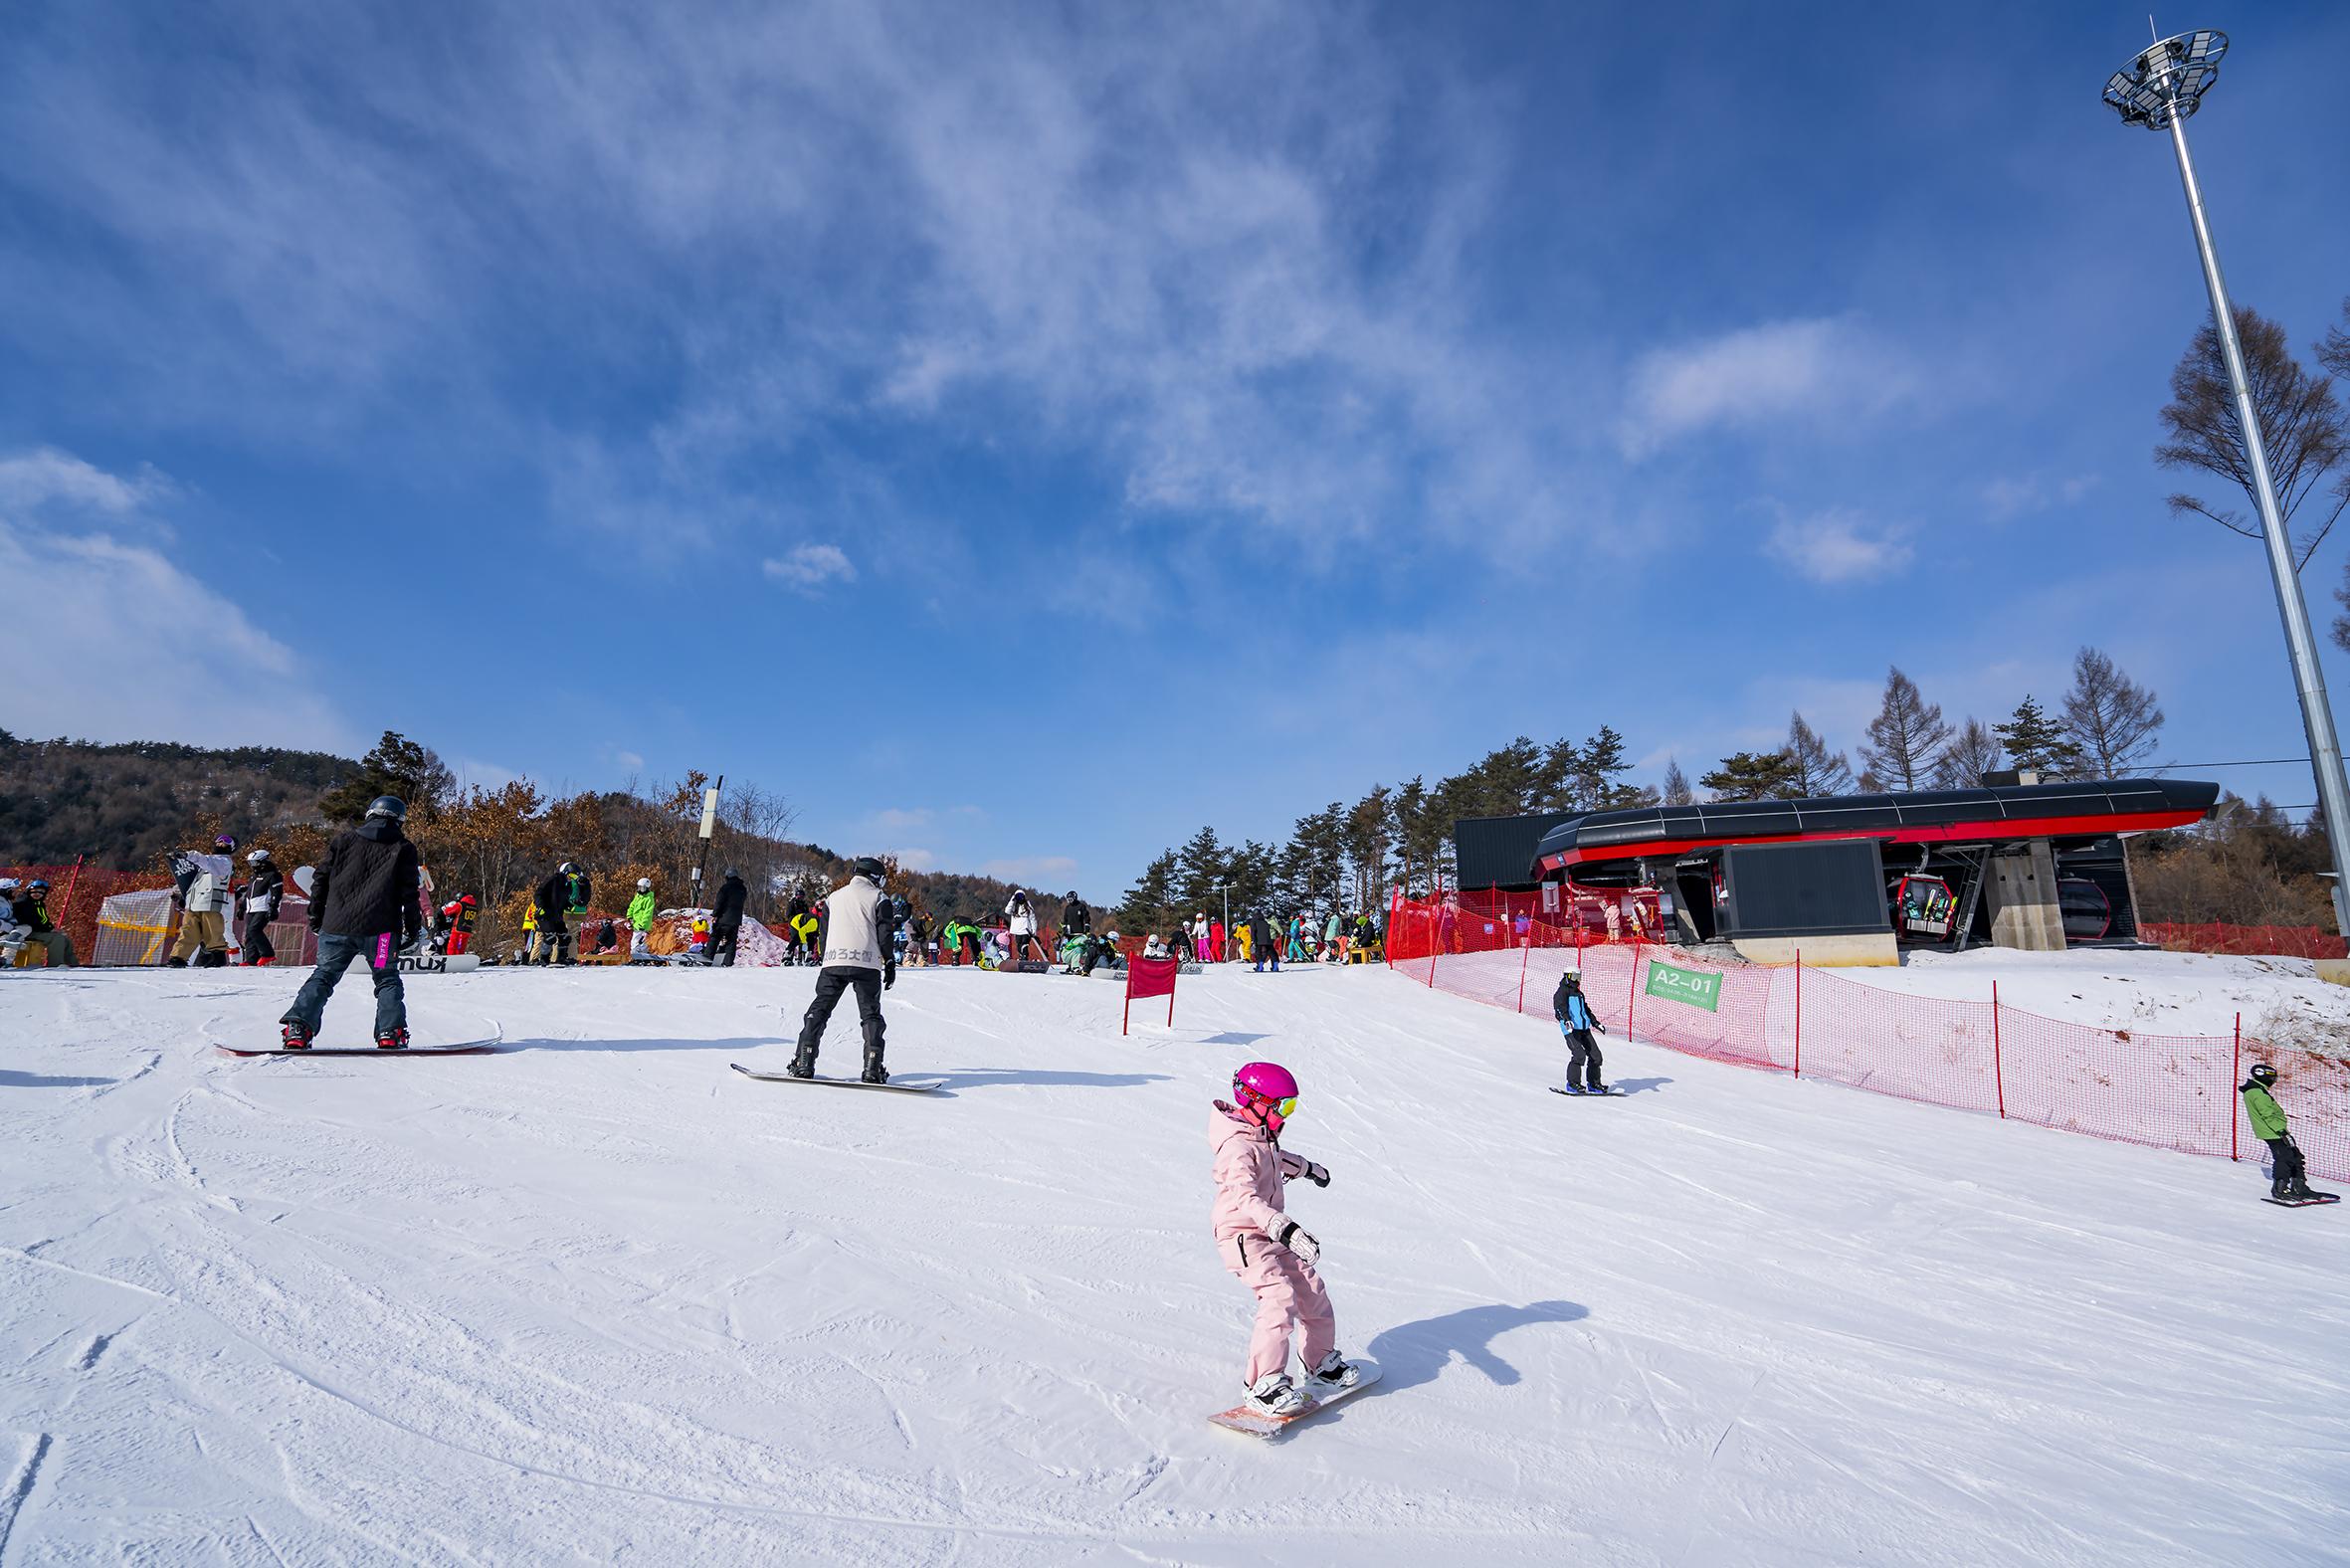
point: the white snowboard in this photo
(1256, 1424)
(901, 1086)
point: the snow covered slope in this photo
(598, 1298)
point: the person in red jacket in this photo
(457, 918)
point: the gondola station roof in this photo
(1955, 816)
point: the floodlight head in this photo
(2168, 80)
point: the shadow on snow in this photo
(1410, 1354)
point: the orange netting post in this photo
(1998, 1082)
(1799, 1012)
(1526, 949)
(1632, 989)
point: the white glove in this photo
(1300, 1241)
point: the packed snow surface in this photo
(598, 1298)
(2281, 1000)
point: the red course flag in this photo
(1149, 977)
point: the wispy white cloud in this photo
(69, 562)
(1840, 546)
(36, 479)
(1779, 372)
(808, 567)
(2020, 495)
(916, 860)
(1033, 869)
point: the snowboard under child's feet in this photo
(1246, 1418)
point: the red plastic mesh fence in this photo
(90, 888)
(2164, 1091)
(2249, 941)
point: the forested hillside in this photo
(124, 805)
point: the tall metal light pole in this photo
(2161, 91)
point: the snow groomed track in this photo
(596, 1296)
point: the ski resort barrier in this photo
(76, 892)
(2163, 1092)
(2244, 941)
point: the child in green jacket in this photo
(2289, 1176)
(642, 909)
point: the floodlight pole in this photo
(2171, 77)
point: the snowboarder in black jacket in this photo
(260, 906)
(727, 919)
(547, 903)
(363, 904)
(1076, 918)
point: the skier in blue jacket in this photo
(1576, 1022)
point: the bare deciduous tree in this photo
(1676, 785)
(1971, 753)
(2109, 716)
(1813, 769)
(2308, 434)
(1905, 738)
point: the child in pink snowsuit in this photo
(1269, 1252)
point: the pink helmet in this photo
(1265, 1091)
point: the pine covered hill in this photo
(126, 805)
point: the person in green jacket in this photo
(2289, 1175)
(642, 909)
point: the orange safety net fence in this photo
(2164, 1091)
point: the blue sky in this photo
(1022, 435)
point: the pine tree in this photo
(1423, 822)
(1816, 770)
(396, 766)
(1149, 905)
(1905, 736)
(1203, 867)
(1600, 760)
(1748, 775)
(1366, 839)
(1676, 785)
(2110, 717)
(2037, 743)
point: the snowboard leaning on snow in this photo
(901, 1086)
(1258, 1424)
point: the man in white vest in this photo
(856, 952)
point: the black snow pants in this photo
(723, 938)
(1583, 1058)
(2290, 1170)
(258, 947)
(831, 981)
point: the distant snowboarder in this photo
(201, 883)
(1020, 916)
(262, 893)
(642, 908)
(2288, 1180)
(857, 953)
(363, 904)
(1267, 1250)
(1576, 1022)
(726, 919)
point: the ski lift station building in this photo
(1843, 879)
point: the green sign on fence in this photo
(1693, 986)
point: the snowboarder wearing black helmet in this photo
(363, 904)
(262, 893)
(201, 884)
(727, 919)
(549, 902)
(2289, 1173)
(856, 952)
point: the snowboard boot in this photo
(392, 1039)
(1274, 1395)
(875, 1073)
(1596, 1089)
(294, 1038)
(1334, 1374)
(2301, 1189)
(2281, 1190)
(1573, 1088)
(803, 1065)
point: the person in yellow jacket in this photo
(529, 933)
(1243, 934)
(642, 909)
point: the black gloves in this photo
(1315, 1174)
